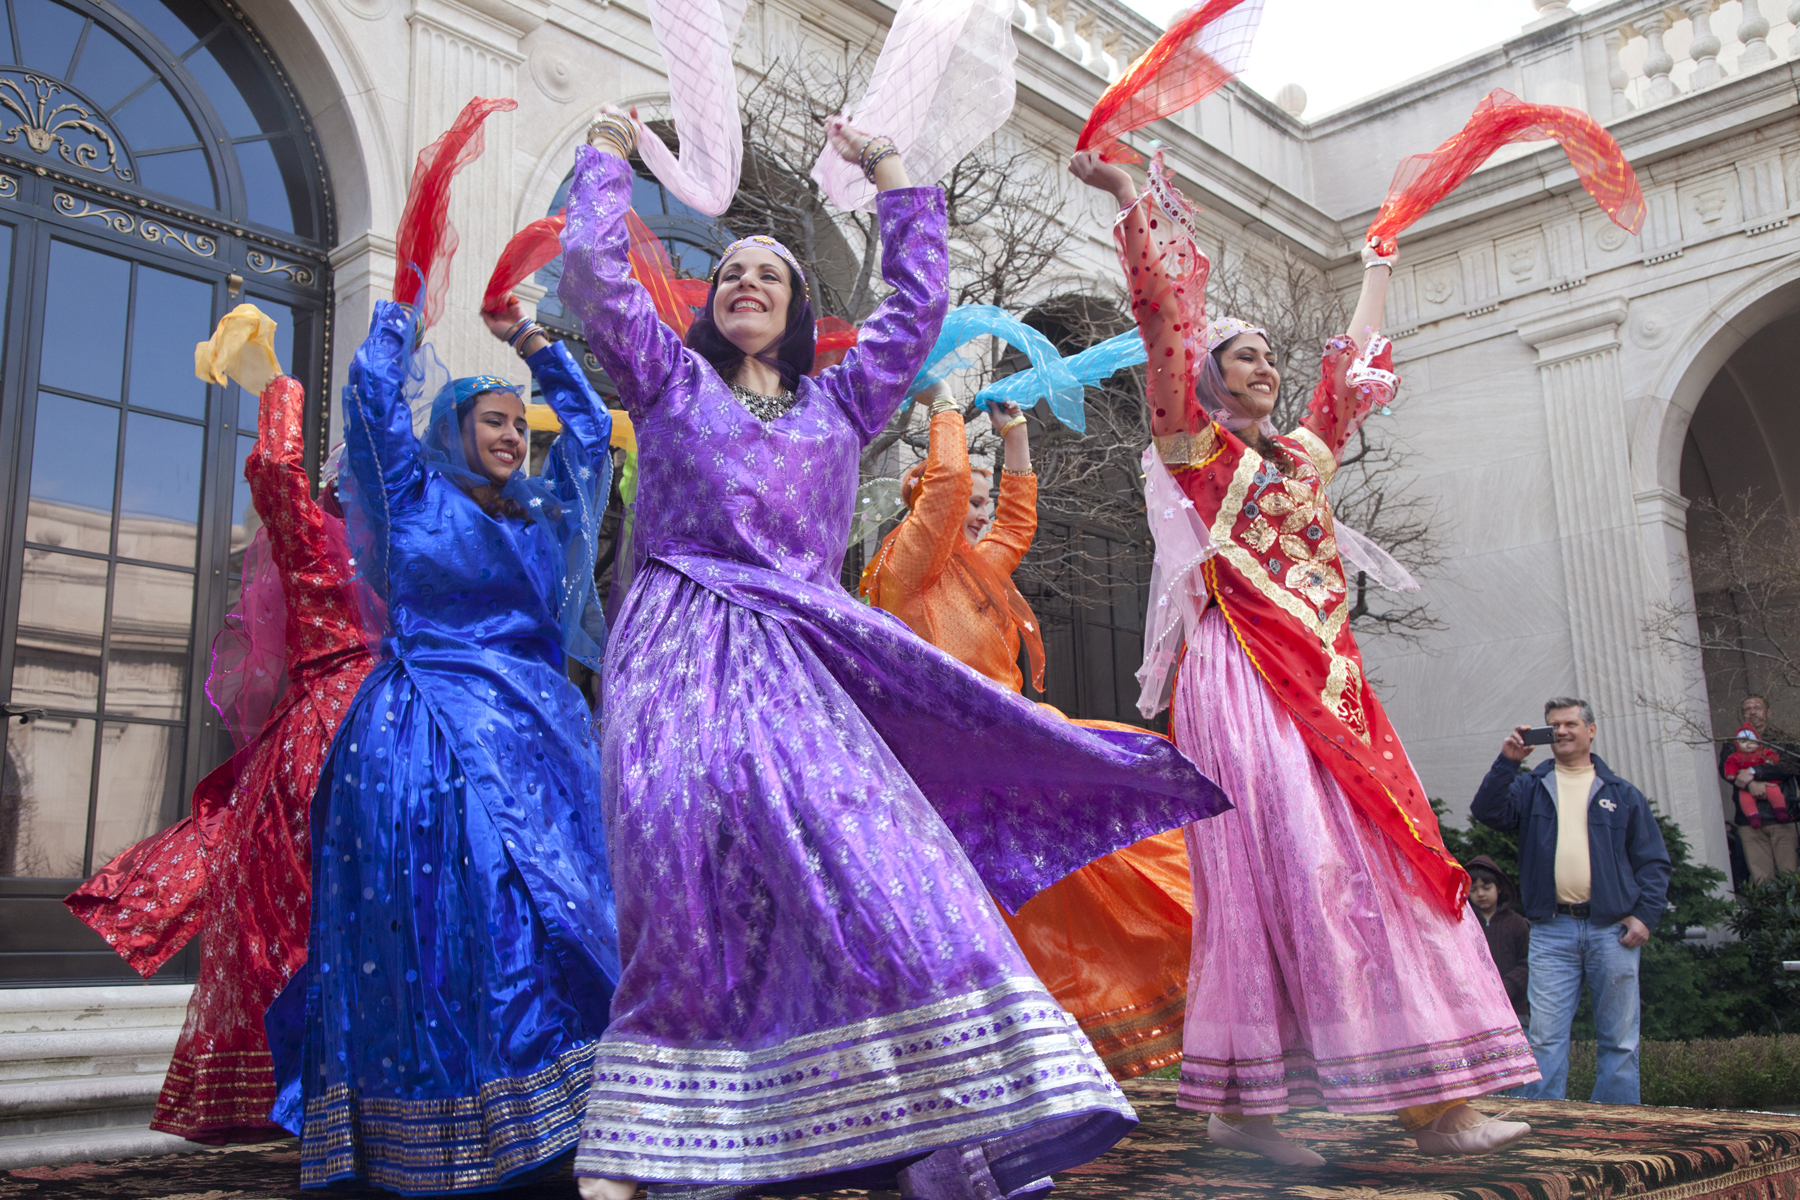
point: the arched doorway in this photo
(1740, 473)
(155, 169)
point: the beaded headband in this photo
(767, 243)
(1225, 328)
(474, 385)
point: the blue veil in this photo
(567, 501)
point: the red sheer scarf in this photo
(426, 239)
(1501, 119)
(1202, 48)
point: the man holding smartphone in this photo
(1593, 881)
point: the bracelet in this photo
(945, 404)
(1010, 471)
(874, 151)
(1012, 424)
(512, 333)
(617, 130)
(523, 338)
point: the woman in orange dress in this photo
(1111, 941)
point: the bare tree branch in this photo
(1744, 621)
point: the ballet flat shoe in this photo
(1282, 1153)
(1484, 1138)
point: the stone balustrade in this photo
(1102, 36)
(1657, 51)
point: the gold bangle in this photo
(1010, 471)
(945, 404)
(1012, 425)
(622, 133)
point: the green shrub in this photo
(1745, 1072)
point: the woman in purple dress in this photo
(806, 805)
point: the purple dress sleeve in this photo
(872, 380)
(639, 353)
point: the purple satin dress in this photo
(807, 806)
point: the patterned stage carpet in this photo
(1576, 1152)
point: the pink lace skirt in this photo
(1319, 975)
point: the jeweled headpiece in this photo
(1225, 328)
(474, 385)
(767, 243)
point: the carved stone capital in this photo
(491, 24)
(1575, 332)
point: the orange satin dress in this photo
(1111, 942)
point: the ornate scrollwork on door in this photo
(119, 221)
(68, 126)
(268, 264)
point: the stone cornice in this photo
(1575, 332)
(496, 25)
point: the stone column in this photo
(461, 49)
(1604, 573)
(1694, 798)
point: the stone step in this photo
(25, 1056)
(55, 1150)
(80, 1069)
(65, 1009)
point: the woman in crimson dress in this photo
(1333, 962)
(239, 868)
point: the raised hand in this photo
(1096, 172)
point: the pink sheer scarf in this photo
(943, 84)
(696, 37)
(249, 655)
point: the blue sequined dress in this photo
(463, 946)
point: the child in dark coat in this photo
(1492, 897)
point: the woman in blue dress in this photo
(463, 945)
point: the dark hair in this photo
(791, 357)
(488, 496)
(1556, 702)
(1484, 875)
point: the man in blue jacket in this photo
(1593, 881)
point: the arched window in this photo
(694, 242)
(155, 169)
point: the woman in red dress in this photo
(239, 868)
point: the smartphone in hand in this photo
(1538, 735)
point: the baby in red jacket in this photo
(1751, 753)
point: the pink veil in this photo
(249, 655)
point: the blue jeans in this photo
(1564, 950)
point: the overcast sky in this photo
(1343, 50)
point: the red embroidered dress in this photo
(239, 868)
(1331, 963)
(1277, 576)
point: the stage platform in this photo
(1576, 1152)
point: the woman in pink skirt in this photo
(1333, 960)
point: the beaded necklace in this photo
(764, 408)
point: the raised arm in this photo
(639, 353)
(380, 449)
(925, 541)
(583, 414)
(1144, 255)
(1015, 514)
(1356, 375)
(312, 564)
(871, 382)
